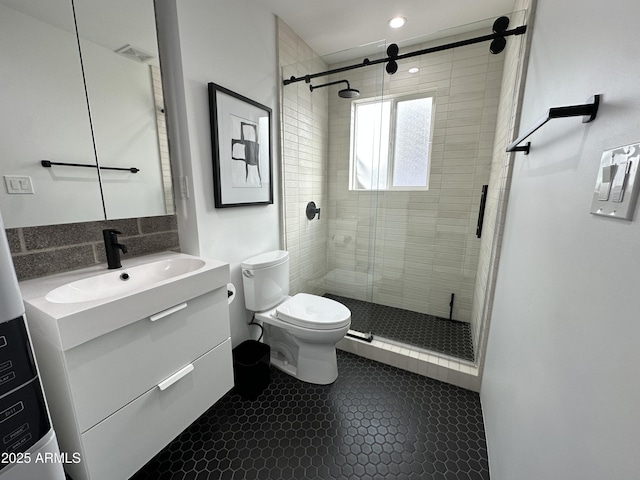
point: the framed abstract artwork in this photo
(241, 148)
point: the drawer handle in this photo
(175, 377)
(167, 312)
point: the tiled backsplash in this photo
(40, 251)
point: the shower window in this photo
(391, 143)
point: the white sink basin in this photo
(123, 280)
(78, 306)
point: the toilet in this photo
(302, 330)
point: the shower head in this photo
(349, 92)
(344, 93)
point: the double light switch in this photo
(617, 185)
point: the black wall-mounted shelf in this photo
(588, 112)
(49, 164)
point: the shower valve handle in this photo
(312, 210)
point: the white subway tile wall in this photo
(305, 136)
(163, 139)
(515, 59)
(412, 250)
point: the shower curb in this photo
(453, 371)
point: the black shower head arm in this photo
(313, 87)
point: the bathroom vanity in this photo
(129, 361)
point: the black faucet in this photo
(112, 247)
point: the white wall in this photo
(561, 384)
(232, 44)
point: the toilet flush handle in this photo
(247, 273)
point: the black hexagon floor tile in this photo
(437, 334)
(374, 422)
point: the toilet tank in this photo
(265, 279)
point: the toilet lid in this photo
(311, 311)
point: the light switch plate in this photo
(18, 184)
(626, 183)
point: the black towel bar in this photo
(587, 111)
(49, 164)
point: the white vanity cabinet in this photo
(119, 394)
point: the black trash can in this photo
(251, 368)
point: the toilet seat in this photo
(311, 311)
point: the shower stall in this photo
(399, 168)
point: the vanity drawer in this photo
(112, 370)
(137, 432)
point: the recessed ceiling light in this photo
(413, 70)
(397, 22)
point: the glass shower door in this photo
(331, 254)
(357, 166)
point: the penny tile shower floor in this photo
(433, 333)
(373, 422)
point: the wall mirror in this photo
(115, 125)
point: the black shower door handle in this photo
(483, 201)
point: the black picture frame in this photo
(241, 149)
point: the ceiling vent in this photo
(134, 53)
